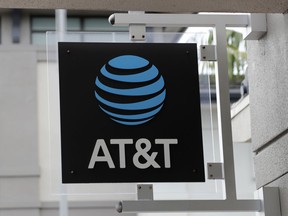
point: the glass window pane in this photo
(38, 38)
(43, 23)
(73, 24)
(101, 24)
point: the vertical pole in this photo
(224, 112)
(63, 202)
(61, 23)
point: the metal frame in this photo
(129, 206)
(137, 22)
(266, 203)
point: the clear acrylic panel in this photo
(210, 189)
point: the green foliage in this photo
(237, 60)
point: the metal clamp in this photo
(145, 192)
(137, 32)
(215, 170)
(208, 53)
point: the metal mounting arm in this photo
(267, 204)
(219, 22)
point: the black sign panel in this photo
(130, 112)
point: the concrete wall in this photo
(21, 133)
(19, 167)
(268, 79)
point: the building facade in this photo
(24, 140)
(268, 78)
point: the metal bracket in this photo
(208, 53)
(270, 201)
(145, 192)
(255, 22)
(215, 170)
(257, 27)
(137, 32)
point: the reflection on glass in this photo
(208, 190)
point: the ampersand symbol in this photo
(150, 159)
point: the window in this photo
(40, 25)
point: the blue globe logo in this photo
(130, 90)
